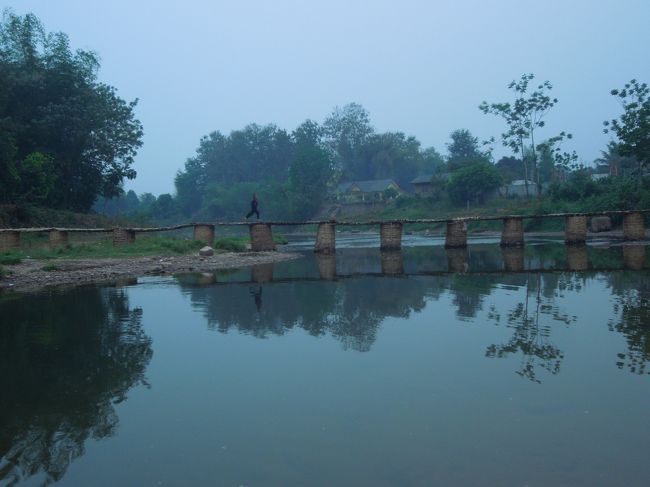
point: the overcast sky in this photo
(420, 67)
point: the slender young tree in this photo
(524, 116)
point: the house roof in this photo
(370, 186)
(522, 182)
(425, 178)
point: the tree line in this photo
(68, 141)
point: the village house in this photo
(422, 185)
(517, 189)
(373, 190)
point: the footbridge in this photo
(261, 232)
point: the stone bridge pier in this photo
(123, 236)
(456, 237)
(205, 234)
(575, 230)
(261, 237)
(9, 240)
(390, 235)
(513, 232)
(58, 238)
(633, 226)
(326, 238)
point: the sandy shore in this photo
(33, 275)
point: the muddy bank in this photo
(33, 275)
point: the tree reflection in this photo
(632, 302)
(352, 309)
(531, 338)
(65, 360)
(349, 309)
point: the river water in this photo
(419, 368)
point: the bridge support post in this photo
(633, 226)
(575, 230)
(10, 240)
(513, 232)
(456, 234)
(123, 236)
(204, 233)
(513, 259)
(58, 238)
(392, 262)
(390, 235)
(634, 256)
(326, 266)
(326, 238)
(261, 237)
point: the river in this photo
(422, 367)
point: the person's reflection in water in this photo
(257, 296)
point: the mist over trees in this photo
(292, 172)
(65, 137)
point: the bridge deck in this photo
(318, 222)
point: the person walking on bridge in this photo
(253, 208)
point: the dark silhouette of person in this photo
(253, 208)
(257, 297)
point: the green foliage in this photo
(346, 130)
(473, 182)
(10, 258)
(510, 169)
(65, 137)
(633, 126)
(613, 162)
(231, 244)
(463, 150)
(144, 245)
(309, 174)
(524, 116)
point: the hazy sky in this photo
(421, 67)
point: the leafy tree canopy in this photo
(473, 182)
(65, 137)
(633, 127)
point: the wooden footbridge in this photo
(390, 231)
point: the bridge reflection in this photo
(348, 295)
(434, 261)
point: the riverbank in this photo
(33, 275)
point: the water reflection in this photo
(632, 310)
(531, 337)
(66, 359)
(349, 296)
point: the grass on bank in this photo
(145, 245)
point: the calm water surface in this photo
(419, 368)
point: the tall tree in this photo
(633, 126)
(52, 104)
(524, 116)
(347, 129)
(309, 175)
(463, 150)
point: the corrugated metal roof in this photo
(522, 182)
(370, 186)
(425, 178)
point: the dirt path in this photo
(34, 275)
